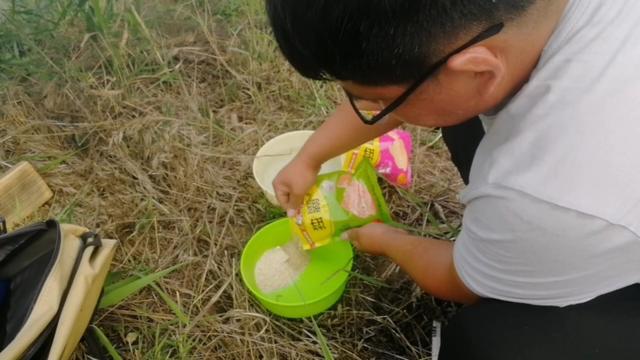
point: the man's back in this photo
(553, 211)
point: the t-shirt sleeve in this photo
(516, 247)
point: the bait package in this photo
(390, 154)
(339, 201)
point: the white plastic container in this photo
(277, 153)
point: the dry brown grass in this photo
(146, 133)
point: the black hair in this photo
(378, 42)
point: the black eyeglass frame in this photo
(489, 32)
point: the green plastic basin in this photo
(316, 290)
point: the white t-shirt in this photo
(553, 204)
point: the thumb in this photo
(282, 195)
(353, 236)
(290, 202)
(295, 202)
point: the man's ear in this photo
(486, 67)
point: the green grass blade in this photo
(55, 163)
(116, 294)
(172, 304)
(67, 214)
(118, 283)
(106, 343)
(370, 280)
(326, 352)
(113, 277)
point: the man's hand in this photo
(293, 182)
(374, 239)
(341, 132)
(429, 262)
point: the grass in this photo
(142, 116)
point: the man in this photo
(549, 253)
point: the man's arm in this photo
(429, 262)
(341, 132)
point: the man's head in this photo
(377, 48)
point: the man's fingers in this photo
(282, 195)
(295, 202)
(291, 203)
(371, 238)
(353, 236)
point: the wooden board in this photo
(22, 191)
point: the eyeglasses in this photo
(371, 117)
